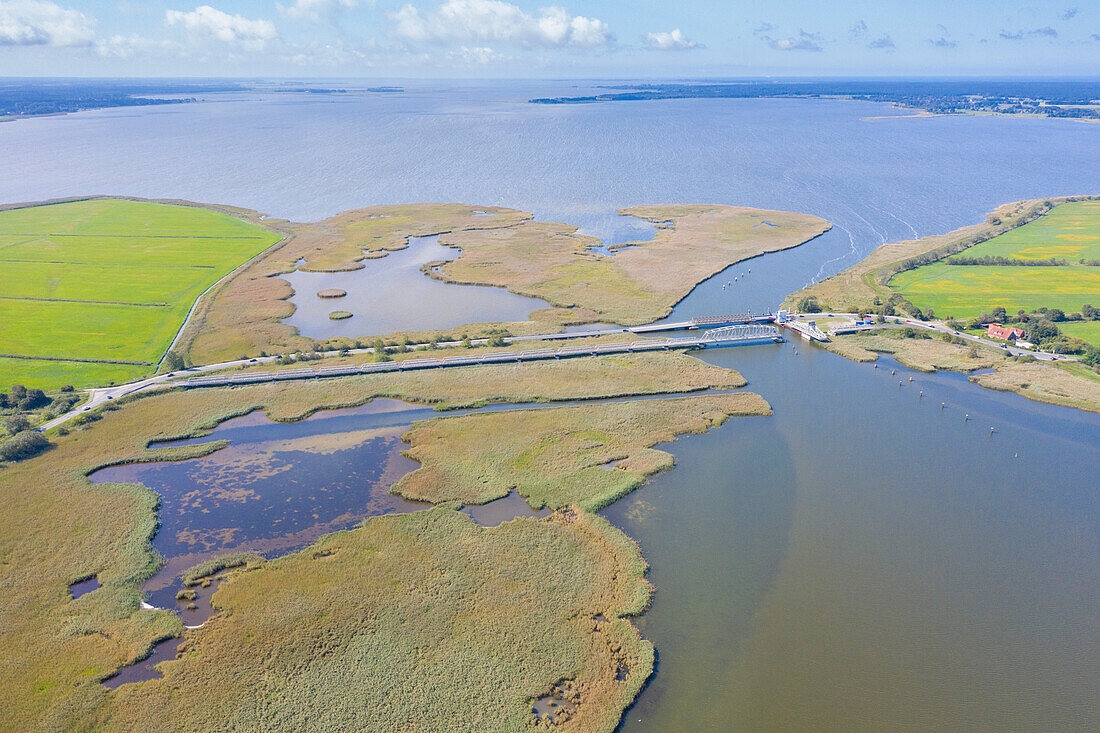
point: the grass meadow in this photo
(964, 291)
(1084, 330)
(109, 280)
(1070, 231)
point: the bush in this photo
(16, 424)
(173, 362)
(809, 304)
(23, 445)
(33, 399)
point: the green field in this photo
(966, 291)
(1070, 232)
(107, 279)
(1084, 330)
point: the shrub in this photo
(16, 424)
(33, 399)
(23, 445)
(173, 362)
(809, 304)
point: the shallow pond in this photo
(276, 487)
(392, 294)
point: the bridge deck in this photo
(753, 335)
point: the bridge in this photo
(736, 335)
(736, 319)
(809, 330)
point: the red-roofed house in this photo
(1008, 333)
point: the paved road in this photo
(101, 395)
(942, 328)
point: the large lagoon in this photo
(865, 559)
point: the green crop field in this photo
(965, 291)
(1070, 232)
(1084, 330)
(109, 280)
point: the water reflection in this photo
(276, 487)
(392, 294)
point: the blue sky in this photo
(563, 38)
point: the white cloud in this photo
(37, 23)
(314, 10)
(337, 54)
(209, 22)
(126, 47)
(476, 56)
(884, 42)
(459, 21)
(672, 41)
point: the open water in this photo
(862, 560)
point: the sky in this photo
(394, 39)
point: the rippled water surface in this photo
(863, 560)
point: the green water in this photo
(868, 560)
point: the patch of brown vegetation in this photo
(59, 527)
(244, 314)
(553, 457)
(551, 261)
(407, 619)
(1068, 385)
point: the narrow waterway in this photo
(870, 559)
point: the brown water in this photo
(868, 560)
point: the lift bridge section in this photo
(740, 335)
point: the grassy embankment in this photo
(558, 457)
(59, 528)
(246, 314)
(94, 291)
(552, 262)
(868, 285)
